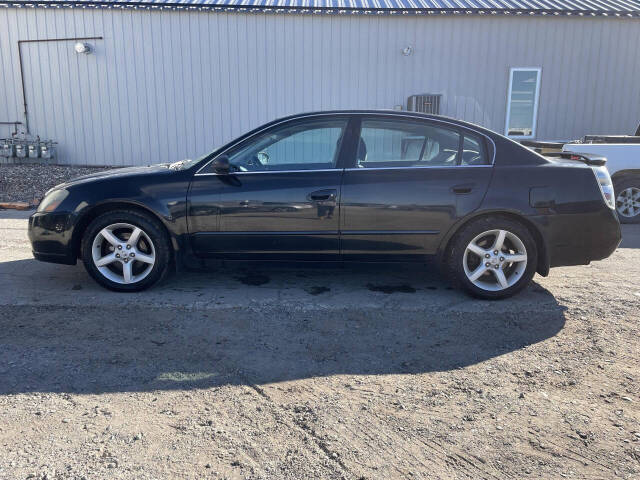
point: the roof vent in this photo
(424, 103)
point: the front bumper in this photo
(579, 238)
(51, 236)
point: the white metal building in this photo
(164, 81)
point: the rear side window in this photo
(405, 143)
(473, 151)
(393, 143)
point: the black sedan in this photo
(372, 186)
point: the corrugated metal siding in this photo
(165, 85)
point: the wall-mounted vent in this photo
(425, 103)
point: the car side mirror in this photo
(221, 164)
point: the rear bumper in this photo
(51, 237)
(579, 238)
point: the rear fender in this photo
(543, 257)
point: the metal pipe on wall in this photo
(20, 42)
(15, 126)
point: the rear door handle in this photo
(323, 195)
(462, 189)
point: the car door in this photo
(280, 201)
(410, 181)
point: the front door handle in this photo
(323, 196)
(462, 189)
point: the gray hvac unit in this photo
(425, 103)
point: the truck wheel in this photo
(628, 199)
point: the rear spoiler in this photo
(588, 158)
(610, 139)
(536, 145)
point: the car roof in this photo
(389, 112)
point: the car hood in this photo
(115, 173)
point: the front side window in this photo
(309, 145)
(522, 102)
(393, 143)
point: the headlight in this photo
(606, 186)
(52, 200)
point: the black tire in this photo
(151, 227)
(622, 185)
(453, 261)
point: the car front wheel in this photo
(126, 251)
(493, 257)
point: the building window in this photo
(522, 102)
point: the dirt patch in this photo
(275, 394)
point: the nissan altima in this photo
(346, 186)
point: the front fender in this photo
(161, 196)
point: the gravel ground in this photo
(28, 183)
(317, 374)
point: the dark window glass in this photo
(393, 143)
(311, 145)
(473, 151)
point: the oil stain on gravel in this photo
(255, 279)
(316, 290)
(391, 288)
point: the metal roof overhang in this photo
(578, 8)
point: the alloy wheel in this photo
(628, 202)
(495, 260)
(123, 253)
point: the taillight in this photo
(606, 186)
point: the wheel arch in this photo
(622, 175)
(89, 214)
(543, 258)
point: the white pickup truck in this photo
(623, 162)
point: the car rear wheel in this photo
(492, 257)
(126, 251)
(628, 200)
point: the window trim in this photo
(456, 130)
(304, 122)
(353, 130)
(262, 172)
(481, 142)
(251, 136)
(536, 99)
(461, 130)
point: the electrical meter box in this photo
(6, 147)
(47, 150)
(34, 149)
(21, 149)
